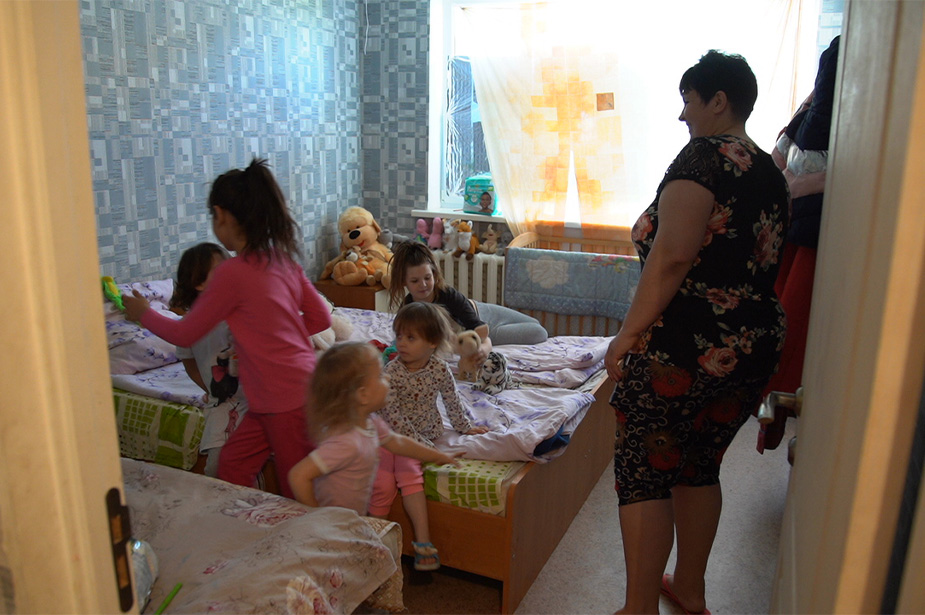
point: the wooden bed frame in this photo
(543, 499)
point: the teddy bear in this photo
(359, 234)
(340, 330)
(492, 376)
(467, 242)
(489, 243)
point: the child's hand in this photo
(135, 305)
(478, 429)
(443, 458)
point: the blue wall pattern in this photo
(179, 91)
(394, 82)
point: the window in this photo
(652, 51)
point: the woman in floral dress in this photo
(702, 337)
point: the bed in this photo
(234, 549)
(241, 550)
(577, 287)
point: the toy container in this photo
(480, 195)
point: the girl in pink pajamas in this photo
(271, 309)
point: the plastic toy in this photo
(111, 291)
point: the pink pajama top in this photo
(271, 309)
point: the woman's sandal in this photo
(425, 556)
(668, 593)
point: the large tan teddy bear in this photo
(363, 259)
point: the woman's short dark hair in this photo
(730, 73)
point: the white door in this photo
(58, 444)
(865, 353)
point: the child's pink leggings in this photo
(395, 472)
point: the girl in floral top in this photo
(702, 337)
(416, 377)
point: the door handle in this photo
(775, 399)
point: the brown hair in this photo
(193, 269)
(340, 371)
(406, 255)
(256, 201)
(429, 320)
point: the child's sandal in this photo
(425, 556)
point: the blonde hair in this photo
(429, 320)
(341, 370)
(406, 255)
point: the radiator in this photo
(481, 279)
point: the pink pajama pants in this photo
(284, 434)
(395, 473)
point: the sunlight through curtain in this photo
(597, 83)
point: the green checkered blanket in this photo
(476, 485)
(155, 430)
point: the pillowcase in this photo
(132, 348)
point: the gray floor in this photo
(586, 573)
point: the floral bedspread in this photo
(240, 550)
(520, 418)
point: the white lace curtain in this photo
(593, 86)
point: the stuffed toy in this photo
(489, 243)
(450, 236)
(503, 241)
(359, 235)
(492, 376)
(389, 238)
(467, 241)
(435, 241)
(339, 331)
(420, 230)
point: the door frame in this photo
(59, 454)
(865, 358)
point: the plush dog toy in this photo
(492, 376)
(359, 234)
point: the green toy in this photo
(112, 292)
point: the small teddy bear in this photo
(340, 330)
(489, 243)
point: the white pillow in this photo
(132, 348)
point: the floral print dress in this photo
(701, 367)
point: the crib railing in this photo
(566, 324)
(482, 278)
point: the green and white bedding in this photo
(158, 430)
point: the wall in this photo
(179, 91)
(395, 97)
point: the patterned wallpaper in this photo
(395, 98)
(332, 92)
(179, 91)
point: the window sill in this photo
(452, 214)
